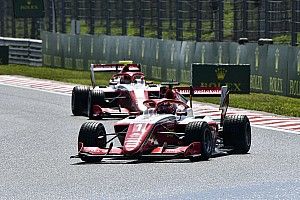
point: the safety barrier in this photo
(23, 51)
(275, 69)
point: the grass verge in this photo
(255, 101)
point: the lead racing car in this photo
(167, 129)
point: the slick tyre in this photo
(96, 97)
(200, 132)
(92, 134)
(237, 133)
(79, 102)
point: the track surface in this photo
(38, 134)
(260, 119)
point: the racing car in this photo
(125, 94)
(167, 129)
(128, 78)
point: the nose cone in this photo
(135, 138)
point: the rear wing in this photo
(170, 84)
(199, 91)
(119, 67)
(222, 92)
(116, 67)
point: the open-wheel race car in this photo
(128, 82)
(167, 129)
(125, 94)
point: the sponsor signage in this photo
(28, 8)
(236, 77)
(275, 69)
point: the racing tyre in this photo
(92, 134)
(237, 133)
(79, 102)
(200, 132)
(96, 97)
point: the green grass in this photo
(263, 102)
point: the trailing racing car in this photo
(167, 129)
(124, 95)
(122, 85)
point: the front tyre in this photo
(200, 132)
(96, 97)
(92, 134)
(237, 133)
(79, 100)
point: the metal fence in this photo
(23, 51)
(194, 20)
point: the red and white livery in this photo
(167, 129)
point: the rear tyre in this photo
(80, 100)
(96, 97)
(200, 132)
(92, 134)
(237, 133)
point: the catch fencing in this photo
(182, 20)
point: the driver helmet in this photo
(125, 80)
(167, 108)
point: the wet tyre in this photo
(96, 97)
(200, 132)
(237, 133)
(92, 134)
(79, 102)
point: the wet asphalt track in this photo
(38, 134)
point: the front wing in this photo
(171, 152)
(110, 112)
